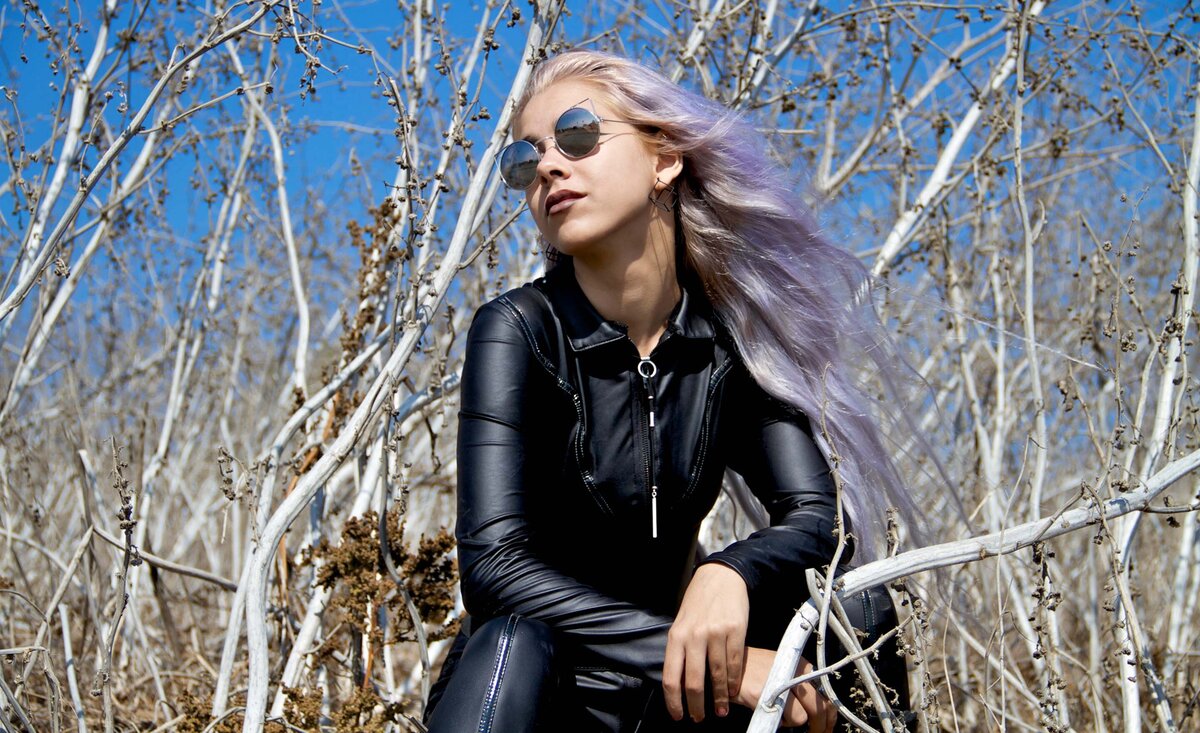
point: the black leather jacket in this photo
(562, 478)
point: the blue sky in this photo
(351, 121)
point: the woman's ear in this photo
(668, 166)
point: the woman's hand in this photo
(709, 633)
(804, 705)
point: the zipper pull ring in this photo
(648, 369)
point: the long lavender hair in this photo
(796, 306)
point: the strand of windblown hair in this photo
(791, 301)
(788, 302)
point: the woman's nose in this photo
(553, 163)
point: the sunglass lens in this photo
(577, 132)
(518, 164)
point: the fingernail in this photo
(722, 712)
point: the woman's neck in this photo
(639, 290)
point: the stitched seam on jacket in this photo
(869, 612)
(702, 452)
(493, 691)
(529, 337)
(562, 384)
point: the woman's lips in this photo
(563, 204)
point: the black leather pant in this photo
(510, 675)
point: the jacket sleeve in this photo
(776, 455)
(500, 569)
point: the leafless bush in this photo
(204, 339)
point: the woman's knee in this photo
(504, 680)
(872, 613)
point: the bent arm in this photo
(500, 569)
(783, 467)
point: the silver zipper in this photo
(648, 369)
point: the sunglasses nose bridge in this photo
(551, 158)
(541, 145)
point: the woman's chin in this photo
(572, 246)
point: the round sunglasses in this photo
(576, 134)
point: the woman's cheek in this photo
(538, 221)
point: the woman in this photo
(690, 321)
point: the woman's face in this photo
(596, 202)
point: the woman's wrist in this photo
(723, 570)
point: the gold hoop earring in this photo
(664, 198)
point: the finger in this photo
(794, 713)
(719, 676)
(693, 681)
(735, 650)
(824, 711)
(820, 711)
(830, 713)
(831, 716)
(817, 708)
(720, 681)
(808, 700)
(672, 673)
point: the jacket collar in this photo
(586, 329)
